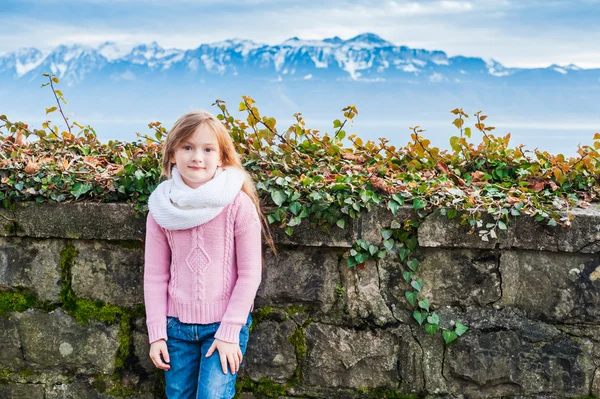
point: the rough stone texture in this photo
(270, 353)
(22, 391)
(7, 223)
(552, 286)
(371, 223)
(81, 220)
(142, 350)
(108, 272)
(341, 357)
(300, 275)
(71, 391)
(410, 361)
(364, 295)
(307, 235)
(10, 344)
(505, 353)
(33, 264)
(55, 340)
(523, 233)
(460, 277)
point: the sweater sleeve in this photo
(157, 261)
(248, 249)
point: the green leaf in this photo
(337, 123)
(80, 189)
(433, 319)
(341, 223)
(294, 208)
(460, 328)
(388, 244)
(412, 264)
(431, 328)
(411, 297)
(373, 249)
(278, 197)
(419, 203)
(386, 234)
(393, 206)
(403, 252)
(407, 276)
(295, 221)
(468, 132)
(424, 304)
(552, 222)
(419, 316)
(449, 336)
(417, 284)
(501, 225)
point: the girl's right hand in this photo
(158, 348)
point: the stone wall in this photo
(72, 324)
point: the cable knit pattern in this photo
(226, 251)
(173, 270)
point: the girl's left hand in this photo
(229, 352)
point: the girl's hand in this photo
(156, 349)
(228, 352)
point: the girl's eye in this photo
(209, 149)
(185, 147)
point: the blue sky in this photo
(516, 33)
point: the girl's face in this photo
(198, 157)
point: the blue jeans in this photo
(193, 375)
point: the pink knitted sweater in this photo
(204, 274)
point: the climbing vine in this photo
(321, 179)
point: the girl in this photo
(202, 260)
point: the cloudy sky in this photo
(524, 33)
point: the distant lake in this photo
(554, 138)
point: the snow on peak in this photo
(113, 51)
(496, 69)
(367, 40)
(242, 46)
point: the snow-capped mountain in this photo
(366, 57)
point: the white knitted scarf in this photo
(176, 206)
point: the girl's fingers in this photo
(165, 353)
(224, 363)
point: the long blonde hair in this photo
(185, 127)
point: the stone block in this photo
(32, 264)
(299, 275)
(7, 223)
(523, 233)
(362, 288)
(379, 217)
(11, 356)
(80, 220)
(342, 357)
(55, 340)
(269, 353)
(559, 287)
(108, 272)
(318, 236)
(22, 391)
(142, 351)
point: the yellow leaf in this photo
(597, 136)
(55, 80)
(51, 109)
